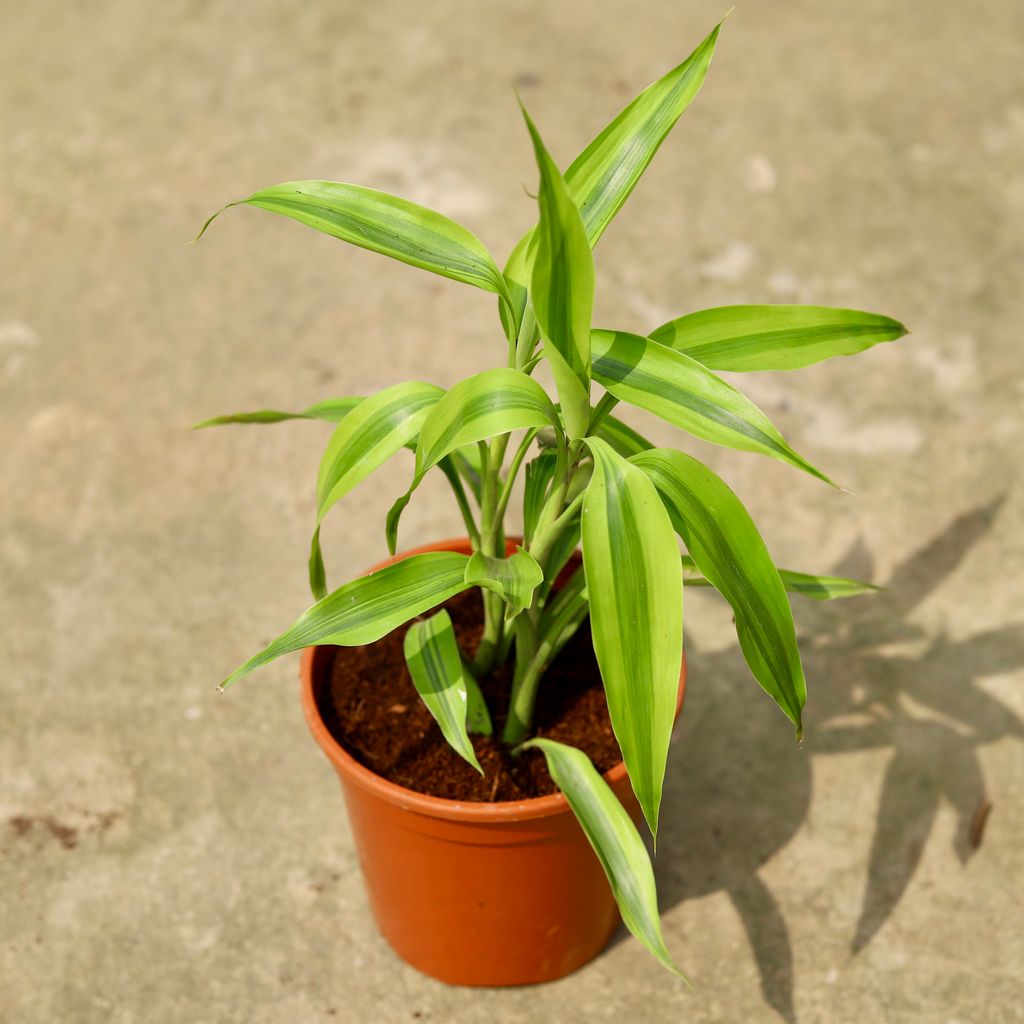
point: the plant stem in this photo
(491, 458)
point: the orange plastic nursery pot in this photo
(506, 893)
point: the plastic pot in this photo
(506, 893)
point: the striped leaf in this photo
(774, 337)
(367, 608)
(687, 394)
(513, 579)
(726, 547)
(615, 840)
(602, 177)
(432, 656)
(333, 410)
(539, 474)
(383, 223)
(634, 579)
(818, 588)
(562, 289)
(482, 406)
(365, 439)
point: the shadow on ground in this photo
(734, 807)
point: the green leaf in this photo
(774, 337)
(539, 474)
(687, 394)
(334, 410)
(635, 582)
(818, 588)
(615, 840)
(562, 289)
(513, 579)
(317, 570)
(383, 223)
(602, 177)
(482, 406)
(725, 545)
(432, 655)
(622, 437)
(368, 607)
(380, 426)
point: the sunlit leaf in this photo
(635, 583)
(688, 395)
(366, 608)
(615, 840)
(774, 337)
(725, 545)
(432, 656)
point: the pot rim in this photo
(408, 799)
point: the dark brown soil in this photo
(371, 707)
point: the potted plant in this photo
(474, 888)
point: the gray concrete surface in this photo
(168, 855)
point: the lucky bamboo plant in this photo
(589, 479)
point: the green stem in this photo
(491, 458)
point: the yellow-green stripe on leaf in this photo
(615, 840)
(726, 547)
(688, 395)
(771, 337)
(635, 582)
(367, 608)
(432, 656)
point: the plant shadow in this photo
(735, 805)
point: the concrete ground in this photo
(170, 855)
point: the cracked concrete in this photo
(167, 854)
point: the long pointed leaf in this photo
(432, 656)
(513, 579)
(818, 588)
(602, 177)
(687, 394)
(774, 337)
(562, 288)
(333, 410)
(615, 840)
(725, 545)
(366, 608)
(634, 578)
(383, 223)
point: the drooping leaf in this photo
(432, 656)
(725, 545)
(375, 430)
(635, 582)
(383, 223)
(513, 579)
(818, 588)
(562, 289)
(622, 437)
(366, 608)
(615, 840)
(774, 337)
(482, 406)
(687, 394)
(333, 410)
